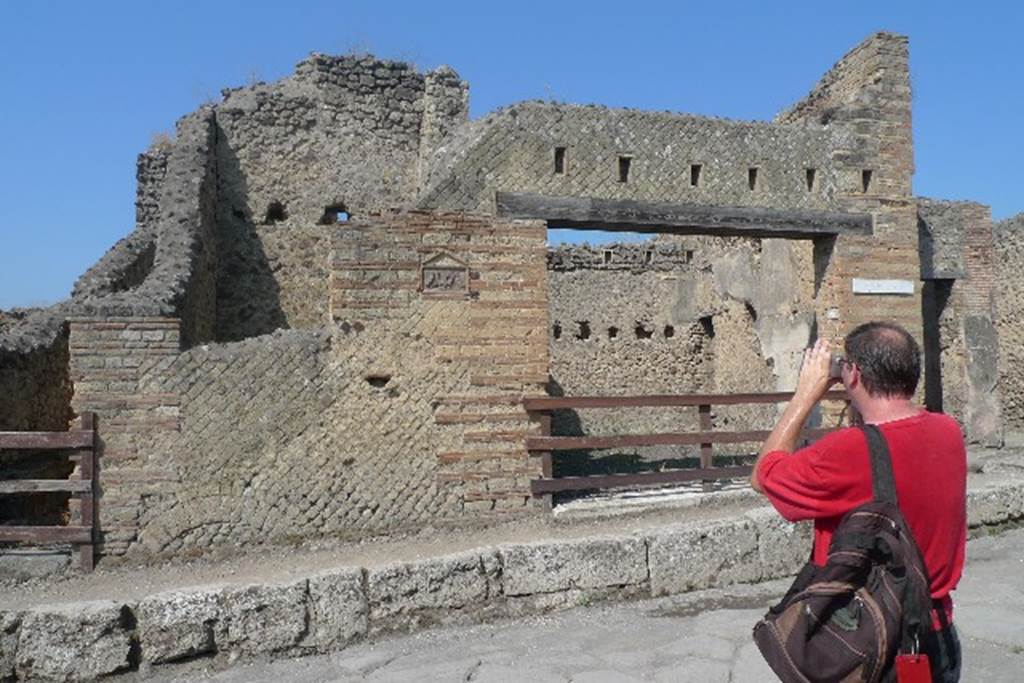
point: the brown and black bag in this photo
(847, 620)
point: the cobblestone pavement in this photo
(696, 637)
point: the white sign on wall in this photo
(866, 286)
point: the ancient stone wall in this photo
(164, 268)
(1009, 270)
(395, 400)
(475, 290)
(943, 274)
(591, 151)
(109, 357)
(676, 315)
(35, 395)
(962, 346)
(407, 412)
(341, 137)
(34, 388)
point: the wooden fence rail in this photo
(82, 441)
(545, 445)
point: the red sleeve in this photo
(825, 479)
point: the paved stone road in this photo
(701, 637)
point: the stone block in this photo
(338, 609)
(74, 642)
(409, 593)
(178, 624)
(23, 564)
(9, 624)
(262, 618)
(782, 547)
(703, 556)
(995, 504)
(564, 565)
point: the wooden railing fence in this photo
(81, 442)
(545, 446)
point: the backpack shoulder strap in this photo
(883, 484)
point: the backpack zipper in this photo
(881, 632)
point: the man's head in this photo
(887, 357)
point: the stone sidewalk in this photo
(121, 623)
(703, 636)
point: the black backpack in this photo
(847, 621)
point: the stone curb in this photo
(327, 611)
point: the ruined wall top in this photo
(878, 63)
(347, 131)
(868, 91)
(595, 151)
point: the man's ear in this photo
(853, 373)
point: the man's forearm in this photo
(786, 432)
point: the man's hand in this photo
(814, 381)
(815, 373)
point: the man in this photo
(827, 479)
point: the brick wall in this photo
(983, 405)
(109, 357)
(475, 289)
(959, 265)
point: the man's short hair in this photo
(888, 358)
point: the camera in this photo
(835, 370)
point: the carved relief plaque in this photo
(443, 274)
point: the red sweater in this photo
(832, 476)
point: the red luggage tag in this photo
(913, 669)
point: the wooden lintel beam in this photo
(685, 219)
(46, 440)
(46, 534)
(574, 443)
(44, 485)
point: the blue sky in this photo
(86, 85)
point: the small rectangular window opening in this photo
(695, 175)
(688, 257)
(624, 164)
(810, 179)
(752, 177)
(865, 180)
(608, 255)
(649, 256)
(559, 160)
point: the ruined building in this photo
(338, 292)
